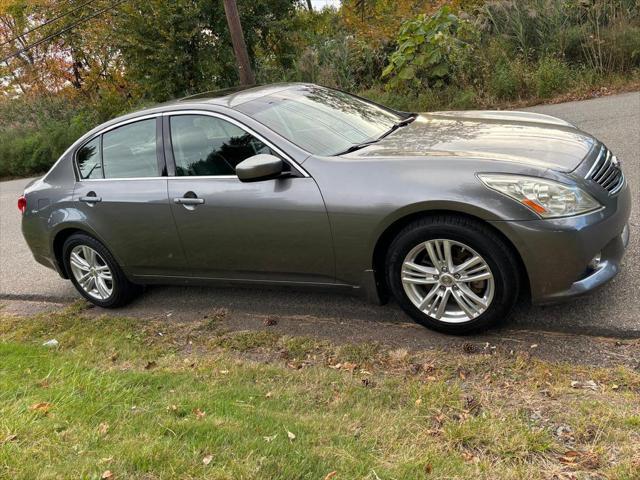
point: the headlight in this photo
(547, 198)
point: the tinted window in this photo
(204, 145)
(320, 120)
(88, 159)
(130, 151)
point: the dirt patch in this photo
(551, 346)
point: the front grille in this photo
(606, 171)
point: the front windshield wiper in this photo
(357, 146)
(405, 121)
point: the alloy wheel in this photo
(91, 272)
(447, 280)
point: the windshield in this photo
(320, 120)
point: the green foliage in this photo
(430, 48)
(178, 48)
(467, 54)
(47, 128)
(551, 76)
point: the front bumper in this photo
(556, 253)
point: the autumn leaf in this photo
(150, 365)
(107, 475)
(9, 438)
(330, 475)
(103, 428)
(291, 435)
(199, 413)
(43, 407)
(207, 460)
(350, 367)
(270, 438)
(572, 456)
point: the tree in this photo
(239, 46)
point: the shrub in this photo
(551, 76)
(431, 50)
(503, 84)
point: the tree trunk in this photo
(237, 39)
(309, 5)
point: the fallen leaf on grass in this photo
(330, 475)
(291, 435)
(270, 321)
(207, 460)
(571, 456)
(583, 460)
(199, 413)
(107, 475)
(9, 438)
(103, 428)
(43, 407)
(350, 367)
(415, 368)
(469, 457)
(270, 438)
(418, 402)
(368, 383)
(268, 394)
(224, 372)
(586, 385)
(150, 365)
(468, 347)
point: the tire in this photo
(121, 289)
(466, 239)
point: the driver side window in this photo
(210, 146)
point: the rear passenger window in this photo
(88, 159)
(130, 151)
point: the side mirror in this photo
(259, 167)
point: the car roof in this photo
(231, 97)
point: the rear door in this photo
(272, 230)
(122, 193)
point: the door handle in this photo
(188, 201)
(91, 199)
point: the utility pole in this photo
(237, 39)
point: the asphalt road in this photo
(613, 310)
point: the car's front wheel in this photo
(95, 273)
(453, 274)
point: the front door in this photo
(272, 230)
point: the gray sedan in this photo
(457, 215)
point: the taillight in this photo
(22, 204)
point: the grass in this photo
(147, 399)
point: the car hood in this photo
(521, 137)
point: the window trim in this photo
(161, 161)
(169, 146)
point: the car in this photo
(456, 215)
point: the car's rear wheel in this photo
(453, 274)
(95, 273)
